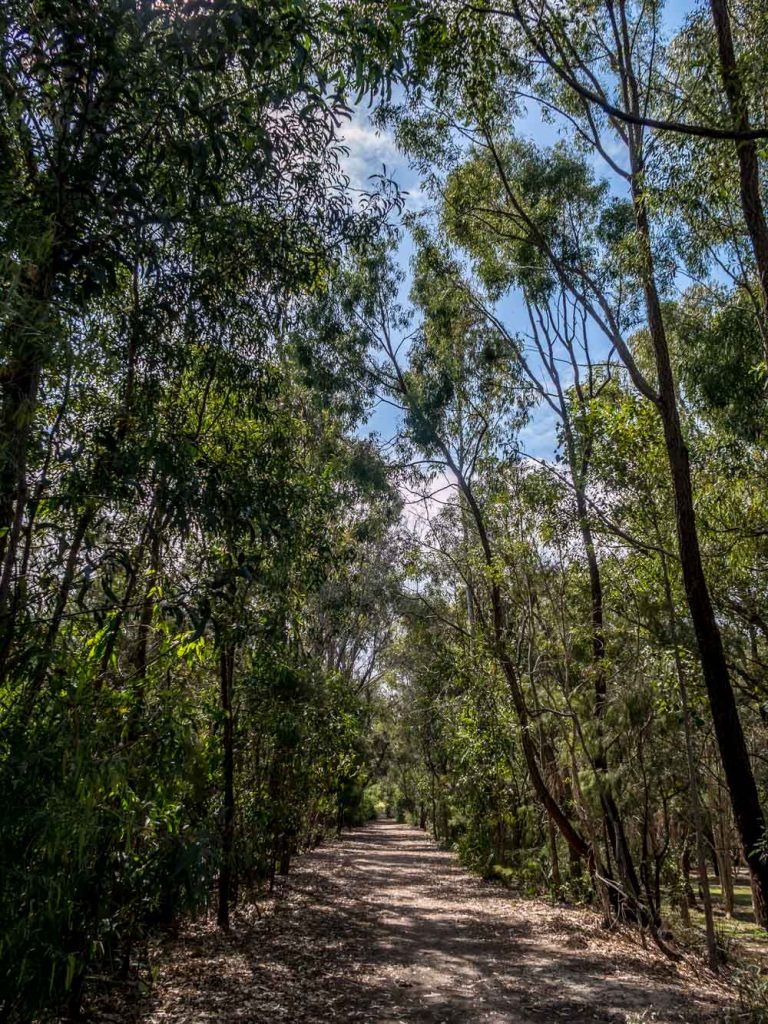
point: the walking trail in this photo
(383, 926)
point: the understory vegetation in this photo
(529, 611)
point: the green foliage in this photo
(107, 829)
(719, 360)
(752, 988)
(181, 485)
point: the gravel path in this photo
(383, 926)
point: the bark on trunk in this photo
(557, 883)
(25, 341)
(19, 402)
(728, 730)
(695, 795)
(226, 671)
(746, 152)
(613, 821)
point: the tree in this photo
(522, 202)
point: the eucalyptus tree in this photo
(743, 80)
(723, 67)
(557, 334)
(516, 211)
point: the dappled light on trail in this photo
(385, 926)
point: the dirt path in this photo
(385, 927)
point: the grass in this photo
(741, 926)
(744, 947)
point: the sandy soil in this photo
(383, 926)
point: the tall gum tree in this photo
(609, 54)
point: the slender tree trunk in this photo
(746, 152)
(687, 900)
(499, 631)
(226, 672)
(339, 813)
(613, 821)
(19, 403)
(70, 570)
(726, 881)
(728, 730)
(721, 828)
(498, 637)
(9, 617)
(148, 604)
(579, 469)
(685, 860)
(557, 883)
(549, 760)
(25, 340)
(693, 783)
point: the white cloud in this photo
(370, 150)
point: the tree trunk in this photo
(148, 603)
(19, 388)
(746, 152)
(226, 672)
(730, 735)
(433, 802)
(721, 827)
(557, 883)
(693, 782)
(25, 342)
(613, 821)
(685, 871)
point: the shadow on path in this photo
(386, 927)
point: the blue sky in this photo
(371, 149)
